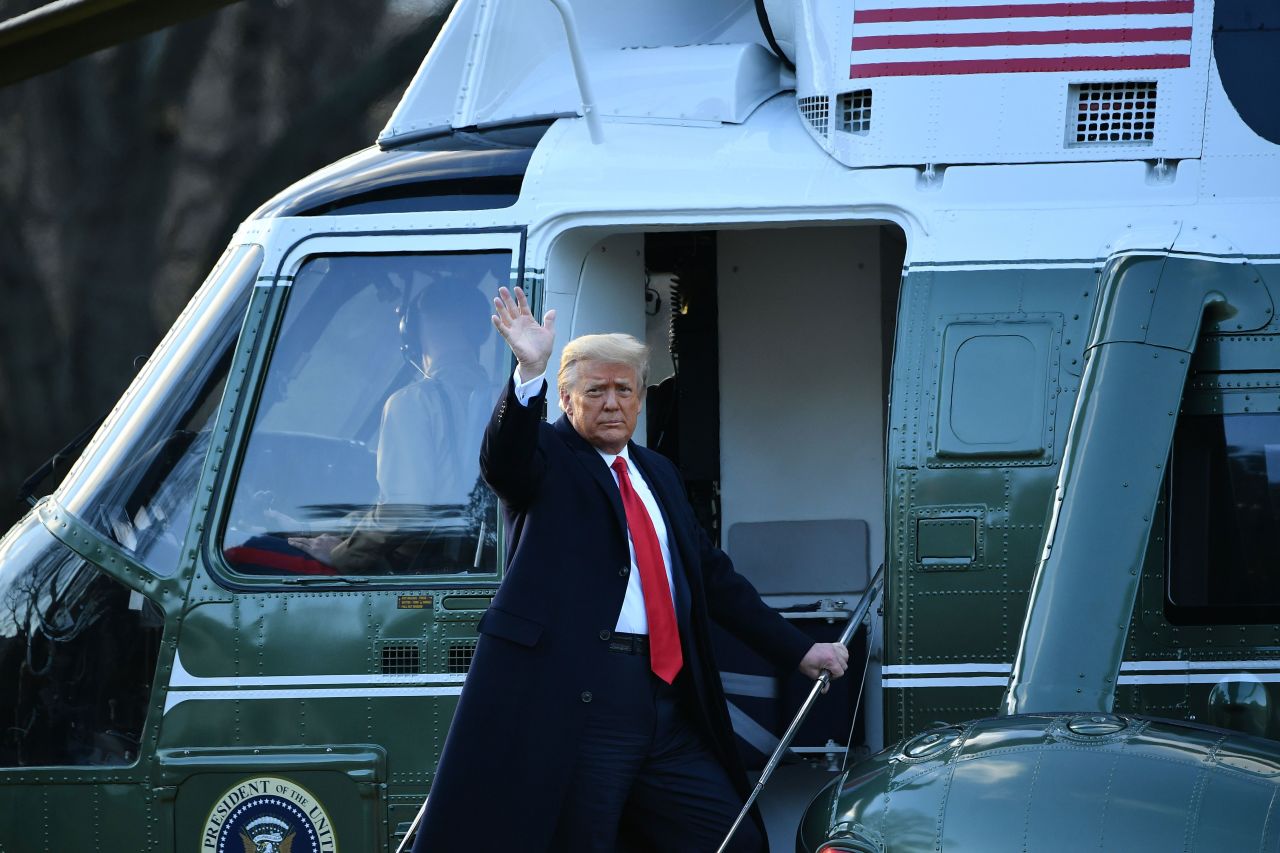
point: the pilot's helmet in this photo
(446, 306)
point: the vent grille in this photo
(460, 655)
(1112, 114)
(854, 111)
(401, 659)
(816, 110)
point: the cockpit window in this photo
(137, 483)
(1224, 511)
(364, 454)
(78, 654)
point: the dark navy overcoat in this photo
(506, 762)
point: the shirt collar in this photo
(609, 457)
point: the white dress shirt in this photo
(632, 619)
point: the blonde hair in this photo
(615, 348)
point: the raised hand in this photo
(531, 343)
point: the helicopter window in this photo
(364, 454)
(485, 193)
(138, 486)
(1224, 510)
(78, 653)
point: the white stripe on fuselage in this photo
(186, 687)
(1151, 672)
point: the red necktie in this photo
(665, 658)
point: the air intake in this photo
(853, 111)
(460, 655)
(1111, 114)
(816, 110)
(401, 659)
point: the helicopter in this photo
(981, 293)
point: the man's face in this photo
(604, 405)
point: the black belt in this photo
(629, 644)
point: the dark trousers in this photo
(643, 769)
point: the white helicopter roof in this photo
(878, 82)
(505, 61)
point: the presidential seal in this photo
(266, 814)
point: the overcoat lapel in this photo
(590, 459)
(667, 497)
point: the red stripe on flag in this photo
(1049, 37)
(1031, 10)
(997, 66)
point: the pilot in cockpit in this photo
(432, 512)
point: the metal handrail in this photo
(860, 613)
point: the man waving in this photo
(593, 718)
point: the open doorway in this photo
(771, 358)
(774, 346)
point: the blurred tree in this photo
(123, 174)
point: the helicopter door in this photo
(362, 459)
(354, 544)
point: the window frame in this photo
(512, 239)
(220, 296)
(1200, 616)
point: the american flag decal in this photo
(897, 38)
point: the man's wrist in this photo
(527, 386)
(527, 372)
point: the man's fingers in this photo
(510, 308)
(501, 308)
(839, 662)
(513, 302)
